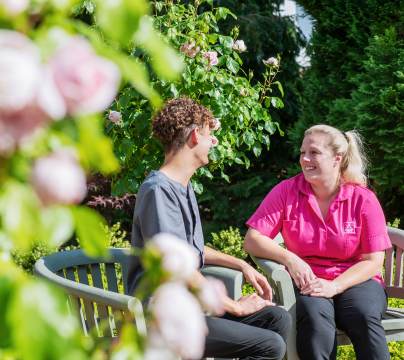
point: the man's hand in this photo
(299, 270)
(249, 304)
(321, 288)
(258, 281)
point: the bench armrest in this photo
(279, 279)
(232, 279)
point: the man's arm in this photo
(244, 306)
(252, 276)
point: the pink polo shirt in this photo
(354, 225)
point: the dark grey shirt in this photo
(164, 205)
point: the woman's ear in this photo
(338, 159)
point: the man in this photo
(252, 327)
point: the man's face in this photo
(206, 140)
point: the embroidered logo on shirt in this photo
(349, 227)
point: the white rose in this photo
(59, 179)
(271, 62)
(178, 320)
(178, 258)
(212, 294)
(14, 7)
(20, 70)
(115, 116)
(239, 46)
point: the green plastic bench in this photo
(393, 323)
(97, 287)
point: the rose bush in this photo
(212, 76)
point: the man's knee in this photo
(282, 321)
(274, 347)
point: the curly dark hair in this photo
(172, 123)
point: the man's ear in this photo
(194, 136)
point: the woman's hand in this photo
(258, 281)
(321, 288)
(299, 270)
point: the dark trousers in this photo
(261, 335)
(357, 311)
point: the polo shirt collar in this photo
(345, 191)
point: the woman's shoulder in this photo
(359, 191)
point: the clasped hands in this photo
(307, 282)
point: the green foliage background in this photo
(356, 81)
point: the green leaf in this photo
(280, 87)
(248, 138)
(120, 19)
(57, 225)
(257, 149)
(165, 61)
(226, 41)
(90, 231)
(232, 65)
(95, 148)
(19, 209)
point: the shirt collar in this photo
(345, 191)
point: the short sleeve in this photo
(374, 230)
(267, 219)
(160, 212)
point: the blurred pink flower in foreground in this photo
(115, 116)
(14, 7)
(59, 179)
(212, 294)
(86, 82)
(20, 70)
(212, 57)
(178, 258)
(179, 322)
(20, 76)
(17, 125)
(190, 49)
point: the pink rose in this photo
(86, 82)
(18, 125)
(59, 179)
(211, 56)
(190, 49)
(115, 117)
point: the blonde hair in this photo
(350, 145)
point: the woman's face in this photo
(317, 160)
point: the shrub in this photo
(229, 242)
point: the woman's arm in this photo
(364, 270)
(262, 246)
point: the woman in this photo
(335, 236)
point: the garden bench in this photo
(393, 322)
(97, 287)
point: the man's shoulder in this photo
(156, 185)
